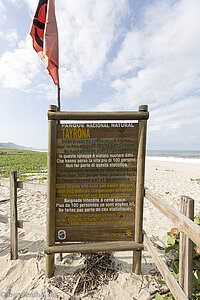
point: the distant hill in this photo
(11, 145)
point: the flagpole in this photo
(58, 96)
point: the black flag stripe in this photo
(39, 24)
(37, 39)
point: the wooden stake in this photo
(186, 250)
(140, 189)
(13, 216)
(51, 193)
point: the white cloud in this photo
(10, 36)
(1, 6)
(158, 64)
(159, 60)
(32, 4)
(72, 81)
(175, 126)
(19, 67)
(176, 115)
(2, 12)
(86, 30)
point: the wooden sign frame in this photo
(52, 247)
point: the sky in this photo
(114, 55)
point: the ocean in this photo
(185, 156)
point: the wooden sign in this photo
(95, 183)
(96, 167)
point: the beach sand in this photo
(25, 279)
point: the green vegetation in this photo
(22, 161)
(173, 247)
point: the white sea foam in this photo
(175, 159)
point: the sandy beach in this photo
(25, 279)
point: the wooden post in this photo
(13, 216)
(137, 255)
(186, 250)
(51, 192)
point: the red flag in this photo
(45, 36)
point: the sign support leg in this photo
(51, 193)
(137, 255)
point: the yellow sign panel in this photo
(96, 181)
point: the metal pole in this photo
(58, 96)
